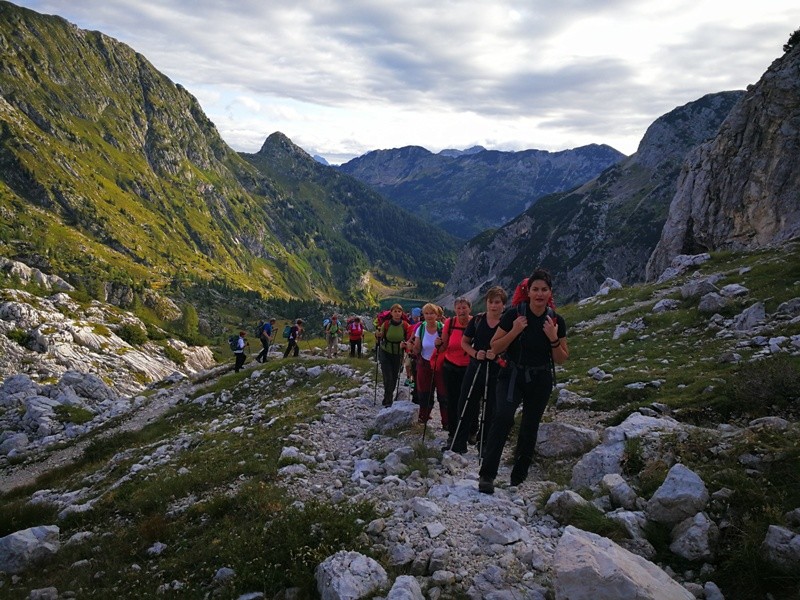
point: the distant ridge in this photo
(467, 192)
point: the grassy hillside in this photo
(227, 508)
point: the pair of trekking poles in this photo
(397, 381)
(482, 419)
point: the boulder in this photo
(400, 415)
(682, 495)
(405, 587)
(695, 538)
(21, 549)
(561, 439)
(562, 505)
(750, 317)
(349, 576)
(621, 493)
(782, 548)
(697, 288)
(591, 567)
(712, 303)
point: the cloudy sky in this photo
(342, 77)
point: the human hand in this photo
(480, 355)
(550, 328)
(520, 323)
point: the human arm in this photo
(503, 337)
(555, 331)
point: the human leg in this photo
(535, 396)
(503, 421)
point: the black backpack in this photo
(233, 342)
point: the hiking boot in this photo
(486, 485)
(448, 443)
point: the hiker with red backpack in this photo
(478, 400)
(355, 333)
(455, 361)
(427, 342)
(391, 335)
(533, 338)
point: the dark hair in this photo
(496, 292)
(540, 274)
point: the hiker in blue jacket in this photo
(266, 335)
(534, 339)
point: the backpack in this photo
(233, 342)
(421, 330)
(286, 331)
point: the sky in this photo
(343, 77)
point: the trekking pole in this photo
(375, 396)
(399, 370)
(482, 422)
(464, 410)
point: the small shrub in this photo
(133, 334)
(758, 387)
(632, 458)
(590, 518)
(72, 414)
(174, 355)
(22, 337)
(100, 329)
(651, 477)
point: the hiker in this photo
(534, 340)
(355, 333)
(456, 361)
(411, 359)
(392, 334)
(429, 377)
(239, 353)
(266, 336)
(295, 333)
(478, 385)
(332, 332)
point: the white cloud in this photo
(344, 77)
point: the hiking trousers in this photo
(453, 378)
(263, 354)
(531, 387)
(291, 345)
(355, 347)
(426, 382)
(237, 366)
(390, 368)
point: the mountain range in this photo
(607, 227)
(111, 175)
(467, 192)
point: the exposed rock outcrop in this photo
(606, 228)
(742, 189)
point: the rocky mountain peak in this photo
(742, 189)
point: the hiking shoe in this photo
(485, 485)
(448, 443)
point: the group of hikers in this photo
(480, 368)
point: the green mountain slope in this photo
(111, 173)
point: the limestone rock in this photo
(349, 576)
(21, 549)
(590, 567)
(736, 191)
(682, 495)
(561, 439)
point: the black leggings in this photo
(532, 388)
(390, 368)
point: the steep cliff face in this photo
(742, 189)
(607, 227)
(468, 192)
